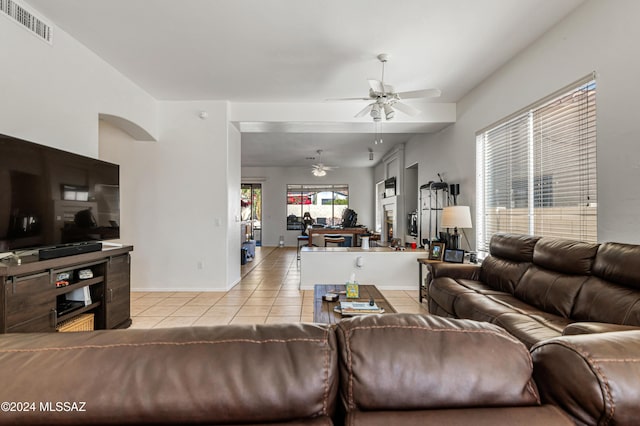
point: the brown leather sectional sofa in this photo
(394, 369)
(540, 288)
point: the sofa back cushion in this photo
(550, 291)
(560, 267)
(502, 274)
(510, 257)
(419, 362)
(518, 248)
(612, 295)
(603, 301)
(566, 256)
(205, 375)
(619, 264)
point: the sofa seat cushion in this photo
(444, 291)
(420, 362)
(528, 329)
(271, 373)
(546, 415)
(486, 307)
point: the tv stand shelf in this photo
(30, 301)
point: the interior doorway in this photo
(251, 211)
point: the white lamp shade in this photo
(456, 217)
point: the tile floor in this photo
(267, 293)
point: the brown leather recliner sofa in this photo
(375, 370)
(540, 288)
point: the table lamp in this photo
(456, 217)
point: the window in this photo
(536, 170)
(325, 204)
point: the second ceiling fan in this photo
(386, 100)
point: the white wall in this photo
(52, 95)
(599, 36)
(177, 196)
(274, 196)
(175, 192)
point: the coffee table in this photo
(323, 311)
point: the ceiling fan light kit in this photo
(319, 169)
(386, 99)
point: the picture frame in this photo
(436, 250)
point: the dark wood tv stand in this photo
(31, 302)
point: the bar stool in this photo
(303, 238)
(336, 239)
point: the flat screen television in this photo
(50, 197)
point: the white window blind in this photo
(536, 170)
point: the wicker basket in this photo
(82, 322)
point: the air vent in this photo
(19, 14)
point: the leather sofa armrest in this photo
(595, 327)
(592, 377)
(463, 271)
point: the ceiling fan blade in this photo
(364, 111)
(347, 99)
(376, 86)
(425, 93)
(407, 109)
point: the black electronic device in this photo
(68, 250)
(53, 197)
(453, 256)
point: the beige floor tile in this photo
(288, 301)
(222, 311)
(248, 320)
(239, 293)
(259, 301)
(135, 310)
(290, 293)
(265, 293)
(285, 310)
(158, 311)
(274, 286)
(248, 311)
(306, 318)
(145, 322)
(173, 301)
(190, 311)
(197, 301)
(170, 322)
(137, 294)
(411, 309)
(147, 301)
(231, 301)
(213, 320)
(271, 319)
(190, 294)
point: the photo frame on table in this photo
(436, 250)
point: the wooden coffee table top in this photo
(323, 311)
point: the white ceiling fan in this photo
(386, 100)
(319, 169)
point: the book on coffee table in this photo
(359, 308)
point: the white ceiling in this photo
(304, 51)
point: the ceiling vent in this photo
(19, 14)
